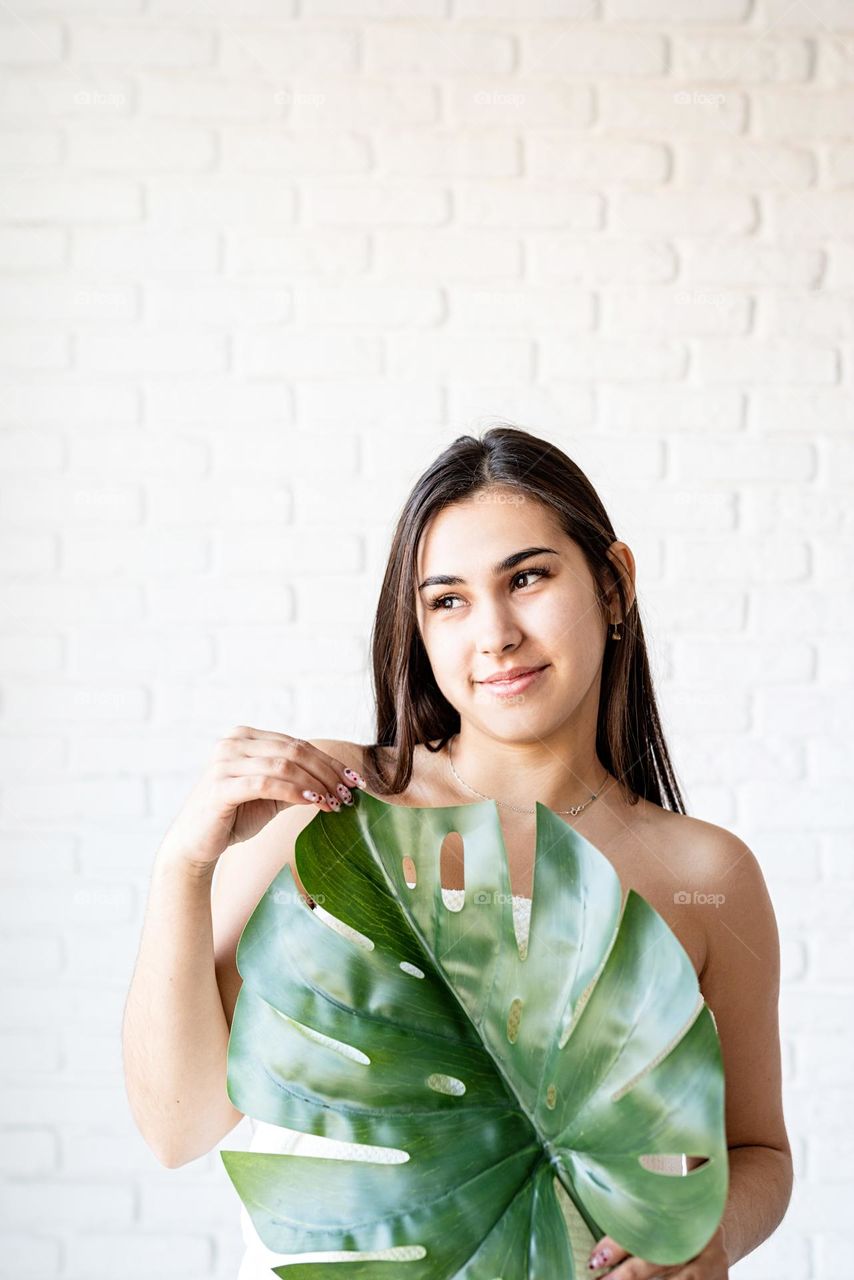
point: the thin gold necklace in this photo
(575, 810)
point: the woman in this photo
(504, 558)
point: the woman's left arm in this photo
(740, 981)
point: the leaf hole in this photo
(411, 968)
(446, 1084)
(551, 1097)
(410, 876)
(674, 1165)
(452, 864)
(513, 1019)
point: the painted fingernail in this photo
(352, 775)
(345, 793)
(312, 795)
(334, 804)
(599, 1258)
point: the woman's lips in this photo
(504, 688)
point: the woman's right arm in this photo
(175, 1031)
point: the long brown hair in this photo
(410, 707)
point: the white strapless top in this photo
(258, 1260)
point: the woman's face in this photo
(517, 617)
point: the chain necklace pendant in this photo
(574, 811)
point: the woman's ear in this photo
(623, 566)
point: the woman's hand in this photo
(711, 1263)
(252, 775)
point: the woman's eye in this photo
(523, 573)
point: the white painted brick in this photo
(160, 649)
(703, 110)
(33, 350)
(805, 511)
(592, 53)
(744, 262)
(674, 312)
(34, 855)
(535, 408)
(357, 104)
(183, 1252)
(218, 501)
(734, 558)
(840, 165)
(494, 205)
(739, 458)
(212, 709)
(85, 95)
(369, 402)
(29, 148)
(67, 1205)
(83, 199)
(605, 261)
(516, 103)
(274, 454)
(25, 554)
(43, 603)
(803, 610)
(142, 551)
(53, 299)
(30, 1256)
(29, 43)
(568, 10)
(147, 351)
(671, 409)
(473, 154)
(210, 202)
(28, 1151)
(834, 54)
(25, 451)
(806, 315)
(371, 9)
(319, 252)
(373, 204)
(217, 304)
(767, 56)
(39, 957)
(593, 162)
(141, 44)
(217, 401)
(839, 461)
(275, 50)
(705, 11)
(793, 114)
(725, 609)
(395, 49)
(210, 99)
(369, 304)
(68, 403)
(140, 148)
(813, 215)
(140, 453)
(31, 248)
(141, 251)
(317, 354)
(595, 360)
(688, 213)
(769, 362)
(276, 150)
(744, 165)
(458, 355)
(537, 310)
(266, 650)
(834, 662)
(63, 903)
(55, 703)
(491, 255)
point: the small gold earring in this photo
(615, 634)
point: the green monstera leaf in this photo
(500, 1078)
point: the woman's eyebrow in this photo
(509, 562)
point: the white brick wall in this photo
(242, 244)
